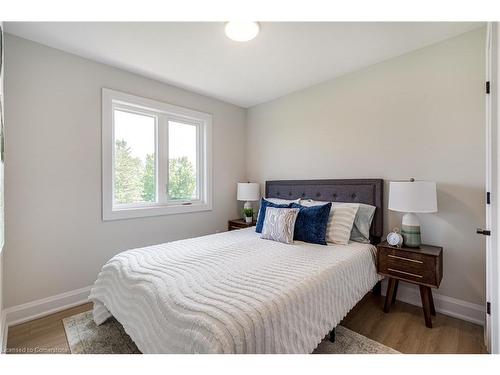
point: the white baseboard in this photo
(453, 307)
(3, 332)
(46, 306)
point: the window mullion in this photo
(200, 179)
(162, 158)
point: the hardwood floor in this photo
(45, 335)
(402, 329)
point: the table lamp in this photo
(248, 192)
(412, 197)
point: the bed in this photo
(234, 292)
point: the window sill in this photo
(147, 211)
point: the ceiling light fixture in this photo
(241, 31)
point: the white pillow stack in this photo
(340, 221)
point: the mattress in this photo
(232, 292)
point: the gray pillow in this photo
(361, 229)
(279, 224)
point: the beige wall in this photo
(1, 295)
(55, 238)
(420, 115)
(1, 219)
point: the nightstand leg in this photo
(431, 302)
(388, 295)
(426, 305)
(395, 293)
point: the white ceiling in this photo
(285, 56)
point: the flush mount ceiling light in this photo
(241, 31)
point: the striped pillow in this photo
(279, 224)
(340, 222)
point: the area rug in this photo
(84, 337)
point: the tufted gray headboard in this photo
(368, 191)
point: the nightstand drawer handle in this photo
(406, 273)
(403, 258)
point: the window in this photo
(156, 158)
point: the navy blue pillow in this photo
(262, 212)
(311, 222)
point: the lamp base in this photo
(247, 205)
(410, 230)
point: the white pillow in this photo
(282, 201)
(311, 202)
(340, 221)
(279, 224)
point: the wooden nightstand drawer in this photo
(407, 266)
(410, 265)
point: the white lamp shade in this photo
(248, 191)
(416, 196)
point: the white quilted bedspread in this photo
(232, 292)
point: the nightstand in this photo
(422, 266)
(239, 224)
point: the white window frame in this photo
(163, 113)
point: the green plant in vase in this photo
(248, 212)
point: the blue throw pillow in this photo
(262, 212)
(311, 223)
